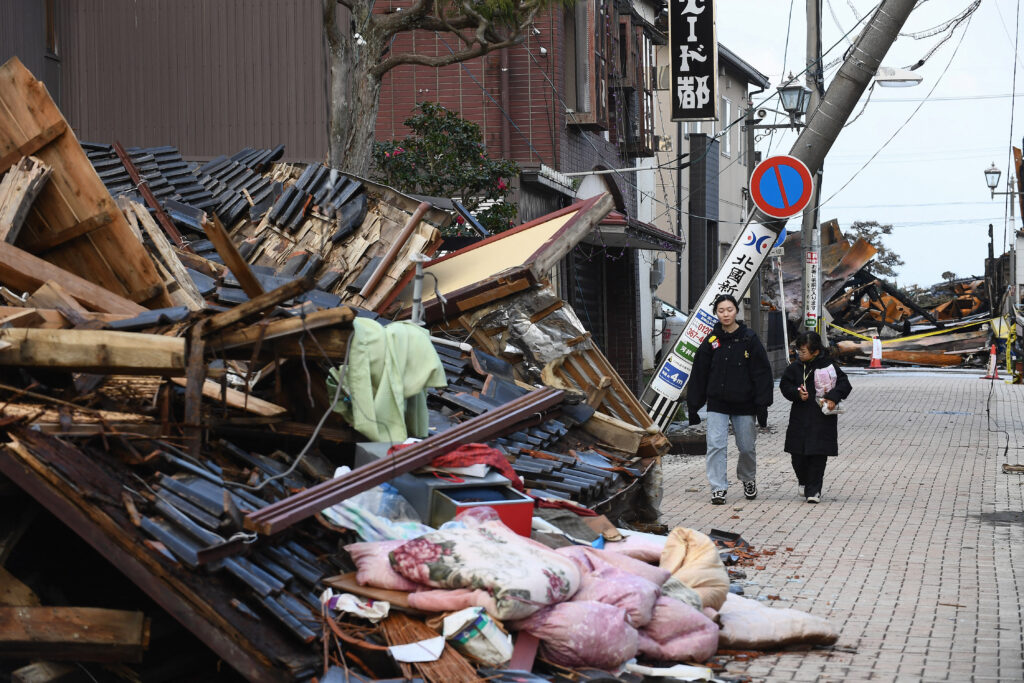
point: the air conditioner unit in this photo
(657, 273)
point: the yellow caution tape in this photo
(915, 336)
(849, 332)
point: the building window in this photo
(589, 52)
(633, 120)
(726, 128)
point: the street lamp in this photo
(795, 98)
(992, 180)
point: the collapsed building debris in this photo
(166, 365)
(859, 306)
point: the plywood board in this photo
(108, 255)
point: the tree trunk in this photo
(353, 96)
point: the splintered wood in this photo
(18, 190)
(452, 667)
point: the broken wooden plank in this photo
(237, 399)
(82, 634)
(23, 271)
(94, 351)
(170, 260)
(232, 259)
(49, 318)
(28, 317)
(18, 189)
(259, 304)
(615, 433)
(52, 295)
(265, 332)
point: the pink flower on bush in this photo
(387, 155)
(460, 220)
(501, 184)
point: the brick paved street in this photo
(916, 552)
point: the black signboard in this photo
(694, 53)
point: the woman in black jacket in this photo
(731, 372)
(812, 435)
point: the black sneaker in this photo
(718, 497)
(750, 489)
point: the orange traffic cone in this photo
(876, 354)
(993, 364)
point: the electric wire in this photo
(909, 118)
(1010, 171)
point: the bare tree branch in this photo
(471, 52)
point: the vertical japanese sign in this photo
(694, 50)
(734, 277)
(812, 269)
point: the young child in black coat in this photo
(815, 384)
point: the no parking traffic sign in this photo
(781, 186)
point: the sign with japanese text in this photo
(694, 49)
(811, 270)
(733, 277)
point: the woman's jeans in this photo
(745, 429)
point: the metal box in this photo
(514, 508)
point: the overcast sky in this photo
(927, 181)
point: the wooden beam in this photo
(81, 634)
(33, 144)
(48, 318)
(257, 305)
(25, 272)
(232, 259)
(237, 399)
(38, 246)
(143, 187)
(94, 351)
(277, 329)
(18, 189)
(200, 264)
(195, 378)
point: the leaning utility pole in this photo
(810, 234)
(664, 392)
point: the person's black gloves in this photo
(694, 417)
(762, 416)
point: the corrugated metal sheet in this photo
(206, 77)
(23, 33)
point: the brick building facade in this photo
(574, 97)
